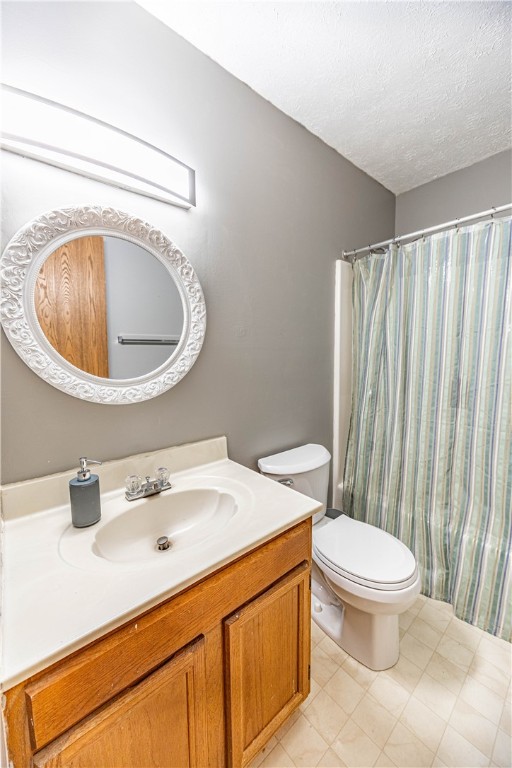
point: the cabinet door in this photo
(159, 722)
(267, 663)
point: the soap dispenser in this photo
(84, 494)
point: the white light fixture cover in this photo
(36, 127)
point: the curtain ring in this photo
(493, 212)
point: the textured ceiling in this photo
(408, 91)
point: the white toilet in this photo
(363, 577)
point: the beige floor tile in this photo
(424, 723)
(457, 752)
(288, 724)
(464, 633)
(440, 605)
(418, 604)
(497, 651)
(446, 672)
(435, 616)
(344, 690)
(374, 720)
(405, 749)
(331, 760)
(323, 666)
(278, 758)
(444, 607)
(303, 743)
(438, 698)
(489, 675)
(482, 699)
(416, 651)
(506, 718)
(354, 747)
(390, 694)
(424, 632)
(383, 761)
(314, 690)
(406, 619)
(267, 749)
(326, 716)
(497, 643)
(405, 673)
(317, 635)
(455, 652)
(502, 753)
(476, 728)
(359, 672)
(334, 651)
(447, 718)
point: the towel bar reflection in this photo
(140, 338)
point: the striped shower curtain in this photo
(429, 450)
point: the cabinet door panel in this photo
(159, 722)
(267, 657)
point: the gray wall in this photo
(471, 190)
(275, 206)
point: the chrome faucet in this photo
(136, 488)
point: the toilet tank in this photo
(305, 469)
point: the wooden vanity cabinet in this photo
(204, 679)
(170, 705)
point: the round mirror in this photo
(101, 304)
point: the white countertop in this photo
(52, 607)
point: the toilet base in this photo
(327, 611)
(372, 639)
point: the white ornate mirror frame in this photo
(19, 268)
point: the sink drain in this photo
(163, 543)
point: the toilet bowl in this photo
(363, 578)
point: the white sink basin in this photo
(185, 517)
(190, 515)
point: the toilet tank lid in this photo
(301, 459)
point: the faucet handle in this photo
(162, 475)
(133, 483)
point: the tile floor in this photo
(445, 703)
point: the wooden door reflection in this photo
(70, 302)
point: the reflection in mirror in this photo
(109, 307)
(137, 287)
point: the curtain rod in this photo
(455, 223)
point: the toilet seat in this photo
(364, 554)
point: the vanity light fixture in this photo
(52, 133)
